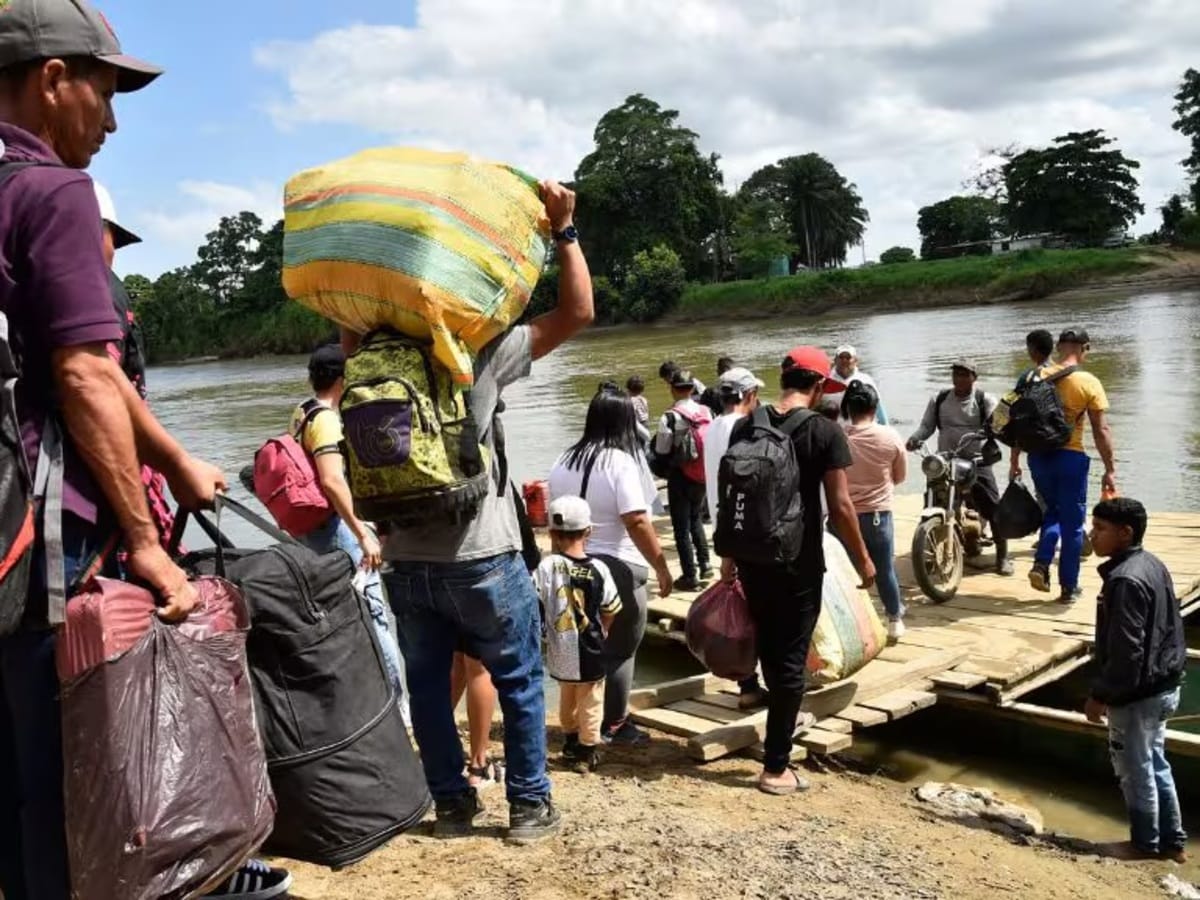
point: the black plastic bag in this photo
(1018, 513)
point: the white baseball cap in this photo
(570, 514)
(122, 237)
(845, 349)
(739, 381)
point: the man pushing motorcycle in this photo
(955, 413)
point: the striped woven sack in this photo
(849, 632)
(438, 246)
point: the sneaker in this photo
(626, 734)
(1039, 577)
(1005, 568)
(687, 585)
(707, 574)
(896, 629)
(456, 816)
(755, 699)
(587, 759)
(530, 821)
(1070, 596)
(1174, 854)
(254, 881)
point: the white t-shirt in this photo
(619, 485)
(716, 442)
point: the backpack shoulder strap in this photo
(797, 418)
(981, 402)
(587, 475)
(937, 408)
(1061, 374)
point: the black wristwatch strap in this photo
(568, 235)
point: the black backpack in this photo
(1032, 419)
(760, 514)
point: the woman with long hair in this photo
(607, 469)
(880, 463)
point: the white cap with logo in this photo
(570, 514)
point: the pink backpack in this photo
(689, 444)
(286, 483)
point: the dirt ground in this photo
(653, 824)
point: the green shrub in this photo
(897, 255)
(654, 284)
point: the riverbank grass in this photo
(1024, 275)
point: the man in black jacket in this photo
(1140, 659)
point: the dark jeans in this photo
(490, 606)
(785, 608)
(686, 498)
(33, 844)
(985, 497)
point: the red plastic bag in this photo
(720, 632)
(165, 777)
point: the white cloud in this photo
(902, 95)
(173, 231)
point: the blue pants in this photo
(878, 535)
(1061, 477)
(336, 535)
(1137, 743)
(33, 842)
(490, 606)
(686, 499)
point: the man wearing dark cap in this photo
(1061, 476)
(60, 67)
(954, 414)
(785, 599)
(685, 494)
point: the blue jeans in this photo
(1137, 743)
(33, 843)
(686, 499)
(491, 608)
(336, 535)
(1061, 477)
(879, 536)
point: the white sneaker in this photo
(896, 629)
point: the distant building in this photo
(1017, 243)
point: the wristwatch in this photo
(568, 235)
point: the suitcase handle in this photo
(213, 529)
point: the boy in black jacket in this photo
(1140, 658)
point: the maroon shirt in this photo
(53, 287)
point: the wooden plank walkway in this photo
(996, 641)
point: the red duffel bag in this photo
(165, 784)
(720, 632)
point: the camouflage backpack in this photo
(412, 448)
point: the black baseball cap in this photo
(327, 359)
(682, 379)
(54, 29)
(1074, 336)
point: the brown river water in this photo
(1146, 352)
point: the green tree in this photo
(654, 284)
(957, 220)
(139, 287)
(228, 256)
(1173, 212)
(645, 184)
(1080, 186)
(1187, 108)
(262, 286)
(761, 235)
(824, 212)
(897, 255)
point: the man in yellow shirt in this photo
(1061, 476)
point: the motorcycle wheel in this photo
(937, 559)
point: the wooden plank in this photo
(963, 681)
(903, 652)
(1180, 742)
(824, 702)
(1001, 672)
(756, 751)
(1050, 676)
(670, 691)
(721, 699)
(672, 722)
(816, 740)
(863, 717)
(717, 714)
(836, 725)
(899, 704)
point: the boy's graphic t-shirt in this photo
(574, 594)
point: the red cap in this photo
(811, 359)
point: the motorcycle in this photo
(950, 531)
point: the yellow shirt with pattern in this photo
(1080, 392)
(324, 431)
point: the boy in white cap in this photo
(846, 370)
(579, 603)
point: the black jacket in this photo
(1140, 647)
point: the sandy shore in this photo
(653, 824)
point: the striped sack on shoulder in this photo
(438, 246)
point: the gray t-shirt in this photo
(957, 418)
(494, 530)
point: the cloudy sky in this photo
(903, 96)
